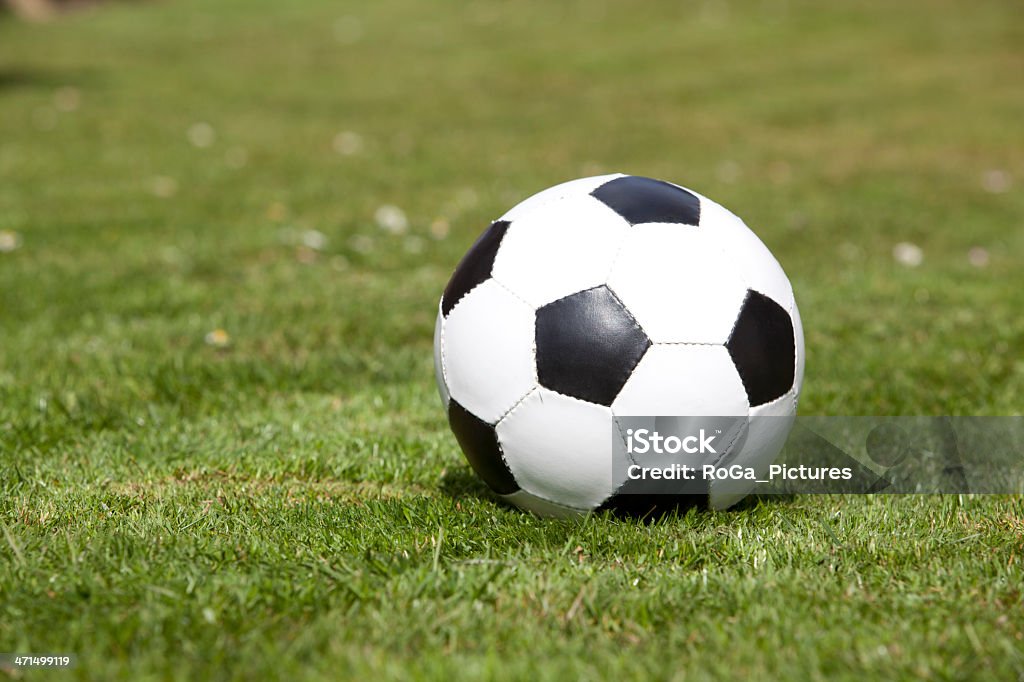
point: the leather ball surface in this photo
(608, 297)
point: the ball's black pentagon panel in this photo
(764, 349)
(479, 442)
(475, 266)
(645, 200)
(587, 345)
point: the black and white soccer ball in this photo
(604, 297)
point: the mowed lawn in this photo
(224, 228)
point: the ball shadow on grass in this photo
(462, 482)
(653, 508)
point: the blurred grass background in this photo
(224, 228)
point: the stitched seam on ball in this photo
(636, 325)
(585, 402)
(617, 488)
(625, 308)
(739, 313)
(620, 248)
(462, 298)
(618, 427)
(501, 450)
(533, 337)
(574, 293)
(726, 452)
(515, 406)
(796, 349)
(444, 358)
(687, 343)
(514, 294)
(578, 400)
(780, 398)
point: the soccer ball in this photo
(606, 297)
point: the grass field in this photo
(221, 451)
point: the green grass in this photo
(292, 506)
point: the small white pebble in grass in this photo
(978, 257)
(348, 143)
(67, 99)
(391, 219)
(9, 241)
(236, 157)
(201, 135)
(314, 239)
(995, 181)
(728, 172)
(413, 245)
(209, 616)
(348, 30)
(439, 228)
(44, 118)
(361, 243)
(218, 338)
(163, 186)
(908, 254)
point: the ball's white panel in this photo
(751, 259)
(768, 428)
(561, 449)
(574, 188)
(679, 282)
(685, 381)
(488, 351)
(566, 248)
(541, 507)
(442, 387)
(798, 330)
